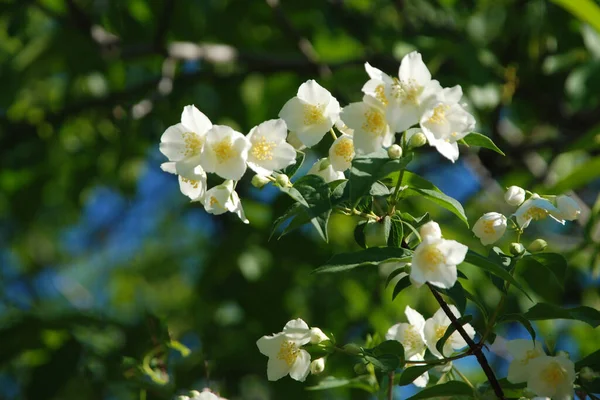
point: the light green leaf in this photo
(585, 10)
(452, 388)
(543, 311)
(480, 140)
(400, 286)
(581, 176)
(372, 256)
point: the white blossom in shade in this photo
(523, 352)
(183, 143)
(206, 394)
(268, 149)
(536, 208)
(341, 153)
(222, 198)
(367, 120)
(435, 328)
(193, 187)
(552, 377)
(311, 113)
(225, 152)
(490, 227)
(324, 169)
(568, 207)
(514, 196)
(444, 124)
(435, 260)
(430, 229)
(285, 353)
(295, 141)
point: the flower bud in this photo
(194, 393)
(516, 249)
(317, 336)
(490, 227)
(417, 140)
(317, 366)
(514, 196)
(259, 181)
(394, 151)
(430, 229)
(587, 374)
(283, 180)
(568, 207)
(537, 245)
(352, 348)
(375, 234)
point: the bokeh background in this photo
(102, 259)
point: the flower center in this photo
(412, 339)
(288, 352)
(488, 227)
(193, 144)
(192, 183)
(439, 332)
(374, 122)
(213, 201)
(223, 150)
(536, 213)
(262, 149)
(345, 149)
(406, 91)
(380, 95)
(439, 114)
(529, 355)
(313, 114)
(553, 374)
(432, 257)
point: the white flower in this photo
(183, 143)
(552, 377)
(295, 141)
(376, 86)
(514, 196)
(490, 227)
(324, 169)
(435, 260)
(225, 152)
(341, 153)
(432, 229)
(317, 366)
(435, 328)
(536, 208)
(317, 336)
(311, 113)
(206, 394)
(523, 352)
(269, 151)
(341, 126)
(193, 187)
(285, 353)
(367, 120)
(223, 198)
(444, 124)
(568, 207)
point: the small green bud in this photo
(360, 368)
(259, 181)
(587, 374)
(195, 393)
(352, 348)
(283, 180)
(408, 268)
(538, 245)
(516, 249)
(325, 163)
(394, 152)
(375, 234)
(417, 140)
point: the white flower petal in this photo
(169, 167)
(313, 93)
(341, 153)
(413, 67)
(269, 345)
(301, 366)
(276, 369)
(195, 120)
(453, 251)
(172, 143)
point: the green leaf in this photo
(586, 10)
(393, 274)
(392, 347)
(291, 170)
(552, 266)
(410, 374)
(372, 256)
(452, 388)
(385, 362)
(493, 268)
(591, 360)
(520, 319)
(582, 175)
(543, 311)
(332, 382)
(396, 233)
(480, 140)
(465, 319)
(379, 189)
(359, 234)
(400, 286)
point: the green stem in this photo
(463, 377)
(333, 135)
(354, 211)
(392, 206)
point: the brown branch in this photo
(472, 345)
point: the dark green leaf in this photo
(330, 382)
(359, 234)
(372, 256)
(400, 286)
(379, 189)
(385, 362)
(591, 360)
(396, 233)
(543, 311)
(393, 347)
(552, 266)
(520, 319)
(291, 170)
(452, 388)
(465, 319)
(393, 274)
(477, 139)
(410, 374)
(477, 303)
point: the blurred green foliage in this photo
(88, 87)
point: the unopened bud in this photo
(408, 268)
(259, 181)
(417, 140)
(514, 195)
(431, 229)
(194, 393)
(587, 374)
(317, 366)
(317, 336)
(537, 245)
(283, 180)
(394, 151)
(360, 368)
(516, 249)
(351, 348)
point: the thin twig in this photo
(391, 385)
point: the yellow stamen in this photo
(345, 149)
(223, 150)
(193, 144)
(213, 201)
(288, 352)
(529, 355)
(439, 332)
(262, 149)
(374, 122)
(432, 257)
(313, 114)
(406, 91)
(380, 95)
(554, 374)
(536, 213)
(412, 339)
(192, 183)
(488, 227)
(439, 114)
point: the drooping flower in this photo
(225, 152)
(514, 196)
(552, 377)
(341, 153)
(311, 113)
(285, 352)
(435, 328)
(193, 187)
(523, 351)
(268, 149)
(536, 208)
(183, 143)
(222, 198)
(569, 208)
(435, 260)
(367, 120)
(324, 169)
(490, 227)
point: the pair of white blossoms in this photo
(490, 227)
